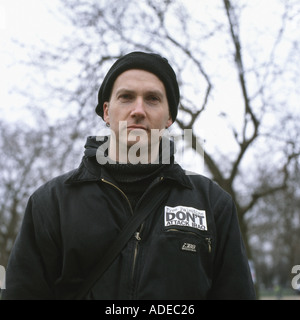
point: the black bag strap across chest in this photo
(120, 242)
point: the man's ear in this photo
(105, 112)
(169, 122)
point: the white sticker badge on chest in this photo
(185, 217)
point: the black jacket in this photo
(190, 247)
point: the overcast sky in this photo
(29, 22)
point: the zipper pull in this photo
(209, 244)
(137, 236)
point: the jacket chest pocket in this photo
(193, 245)
(192, 241)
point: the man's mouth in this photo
(136, 126)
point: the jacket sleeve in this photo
(232, 277)
(27, 275)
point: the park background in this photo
(238, 65)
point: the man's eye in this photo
(153, 98)
(125, 96)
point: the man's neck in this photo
(136, 153)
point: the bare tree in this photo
(275, 226)
(29, 158)
(210, 46)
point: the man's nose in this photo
(138, 108)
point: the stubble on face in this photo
(138, 105)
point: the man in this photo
(188, 247)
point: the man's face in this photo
(138, 98)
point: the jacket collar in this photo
(91, 171)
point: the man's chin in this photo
(139, 143)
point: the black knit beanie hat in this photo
(151, 62)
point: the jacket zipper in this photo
(137, 235)
(136, 249)
(124, 195)
(209, 244)
(207, 239)
(138, 239)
